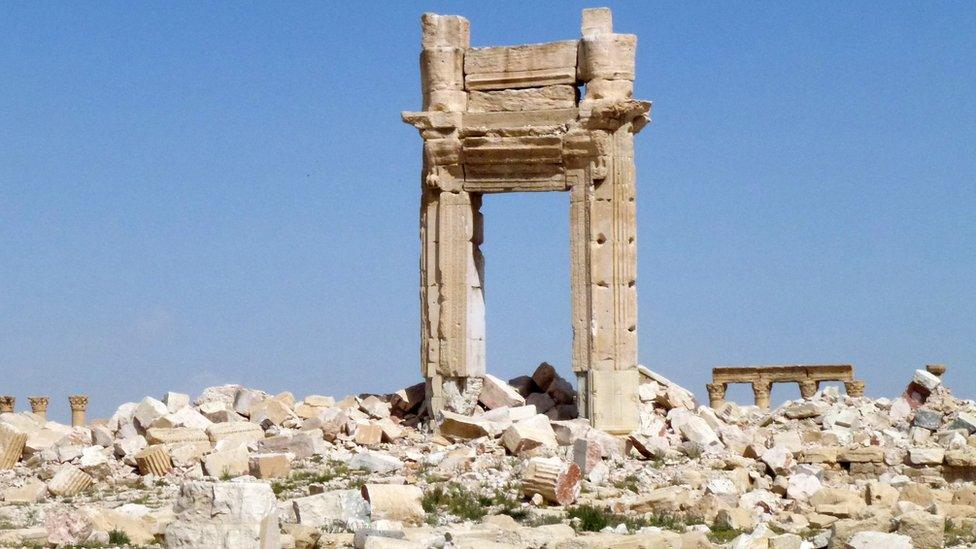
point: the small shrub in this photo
(456, 500)
(118, 537)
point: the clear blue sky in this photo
(194, 194)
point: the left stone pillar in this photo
(451, 228)
(79, 404)
(38, 405)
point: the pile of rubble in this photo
(239, 467)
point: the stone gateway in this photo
(541, 117)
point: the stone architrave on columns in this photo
(38, 405)
(79, 404)
(512, 119)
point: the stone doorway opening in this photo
(528, 314)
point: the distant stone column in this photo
(79, 404)
(716, 394)
(854, 388)
(39, 406)
(808, 388)
(7, 404)
(762, 389)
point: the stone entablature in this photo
(512, 119)
(807, 376)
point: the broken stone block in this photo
(964, 420)
(961, 457)
(391, 430)
(524, 385)
(542, 402)
(779, 460)
(271, 411)
(241, 432)
(927, 531)
(224, 515)
(926, 379)
(148, 411)
(12, 444)
(178, 435)
(561, 391)
(31, 491)
(802, 486)
(463, 427)
(154, 460)
(233, 462)
(69, 481)
(927, 419)
(587, 454)
(529, 434)
(338, 507)
(926, 456)
(368, 434)
(264, 466)
(876, 540)
(695, 429)
(399, 502)
(544, 376)
(409, 399)
(302, 445)
(375, 462)
(375, 407)
(556, 481)
(495, 393)
(175, 401)
(862, 454)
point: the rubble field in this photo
(240, 468)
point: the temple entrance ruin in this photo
(533, 118)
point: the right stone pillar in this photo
(603, 215)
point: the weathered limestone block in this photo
(342, 507)
(526, 66)
(178, 435)
(463, 427)
(265, 466)
(154, 460)
(224, 515)
(528, 435)
(400, 502)
(31, 491)
(69, 481)
(553, 479)
(148, 411)
(495, 393)
(368, 433)
(12, 444)
(926, 530)
(241, 432)
(233, 462)
(526, 99)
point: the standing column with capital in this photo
(79, 404)
(762, 389)
(716, 394)
(39, 406)
(808, 388)
(7, 404)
